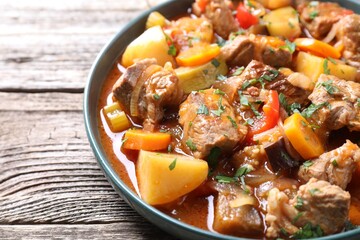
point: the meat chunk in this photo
(319, 17)
(335, 166)
(145, 89)
(323, 204)
(349, 34)
(317, 204)
(241, 50)
(220, 15)
(235, 213)
(340, 103)
(209, 121)
(257, 74)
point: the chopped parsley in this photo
(308, 163)
(234, 124)
(123, 141)
(309, 231)
(214, 155)
(248, 83)
(224, 179)
(172, 50)
(307, 112)
(244, 100)
(255, 111)
(249, 121)
(299, 203)
(358, 102)
(203, 110)
(221, 77)
(242, 171)
(219, 92)
(290, 109)
(332, 60)
(329, 87)
(169, 148)
(172, 164)
(289, 46)
(215, 62)
(313, 191)
(238, 71)
(334, 163)
(284, 232)
(326, 67)
(156, 96)
(220, 110)
(313, 14)
(191, 145)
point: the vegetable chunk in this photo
(137, 139)
(164, 178)
(151, 44)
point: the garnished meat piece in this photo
(145, 89)
(319, 17)
(256, 75)
(220, 15)
(338, 103)
(209, 121)
(241, 50)
(349, 34)
(335, 166)
(318, 206)
(235, 211)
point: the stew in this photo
(242, 117)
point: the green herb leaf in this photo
(215, 62)
(308, 231)
(313, 191)
(329, 87)
(313, 14)
(224, 179)
(244, 100)
(283, 101)
(213, 157)
(203, 110)
(326, 67)
(290, 46)
(311, 109)
(308, 163)
(172, 164)
(334, 163)
(169, 148)
(172, 50)
(242, 171)
(123, 141)
(248, 83)
(333, 61)
(220, 109)
(234, 124)
(221, 77)
(219, 92)
(255, 111)
(250, 121)
(238, 71)
(156, 96)
(191, 145)
(299, 203)
(358, 102)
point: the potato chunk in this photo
(151, 44)
(163, 177)
(283, 22)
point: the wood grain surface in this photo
(50, 184)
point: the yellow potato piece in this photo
(150, 44)
(163, 177)
(283, 22)
(312, 66)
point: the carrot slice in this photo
(137, 139)
(199, 54)
(302, 137)
(317, 47)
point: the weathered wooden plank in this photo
(52, 46)
(83, 232)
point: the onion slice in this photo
(134, 101)
(332, 34)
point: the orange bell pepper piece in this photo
(317, 47)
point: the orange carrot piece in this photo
(317, 47)
(199, 54)
(137, 139)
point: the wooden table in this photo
(50, 184)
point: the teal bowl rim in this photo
(91, 126)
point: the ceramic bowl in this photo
(98, 73)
